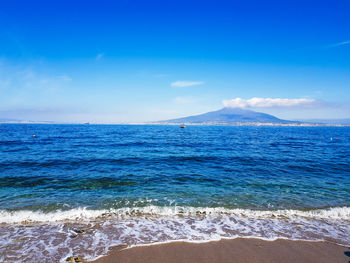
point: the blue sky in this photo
(133, 61)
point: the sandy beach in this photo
(235, 250)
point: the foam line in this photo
(85, 214)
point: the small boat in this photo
(182, 126)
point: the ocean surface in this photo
(78, 190)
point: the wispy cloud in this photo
(99, 56)
(184, 100)
(186, 83)
(25, 86)
(160, 75)
(340, 44)
(66, 78)
(267, 102)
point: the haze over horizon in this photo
(137, 61)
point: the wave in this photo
(85, 214)
(66, 183)
(11, 142)
(58, 233)
(107, 161)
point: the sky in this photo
(136, 61)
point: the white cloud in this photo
(99, 56)
(341, 44)
(267, 102)
(185, 83)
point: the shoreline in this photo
(239, 250)
(93, 239)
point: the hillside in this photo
(229, 116)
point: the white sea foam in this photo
(84, 214)
(53, 234)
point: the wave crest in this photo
(85, 214)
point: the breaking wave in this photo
(85, 214)
(91, 233)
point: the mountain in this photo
(230, 116)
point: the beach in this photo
(232, 250)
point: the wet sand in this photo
(234, 251)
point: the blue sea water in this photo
(141, 184)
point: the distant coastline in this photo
(296, 124)
(226, 116)
(254, 124)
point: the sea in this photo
(80, 190)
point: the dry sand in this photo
(233, 251)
